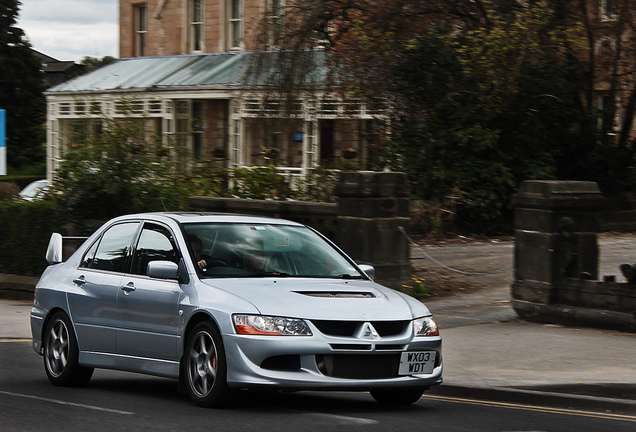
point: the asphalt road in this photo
(28, 402)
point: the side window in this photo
(155, 243)
(110, 251)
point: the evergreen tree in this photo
(21, 87)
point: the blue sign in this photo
(3, 142)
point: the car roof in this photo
(202, 217)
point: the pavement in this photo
(488, 352)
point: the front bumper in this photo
(299, 362)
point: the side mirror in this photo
(54, 249)
(163, 270)
(368, 269)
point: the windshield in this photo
(258, 250)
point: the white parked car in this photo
(226, 302)
(34, 190)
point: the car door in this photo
(96, 281)
(147, 308)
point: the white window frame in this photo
(235, 31)
(608, 10)
(197, 40)
(140, 28)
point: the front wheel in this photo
(206, 368)
(61, 354)
(397, 396)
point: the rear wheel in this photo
(397, 396)
(61, 354)
(206, 368)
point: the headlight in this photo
(272, 326)
(425, 327)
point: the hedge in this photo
(27, 228)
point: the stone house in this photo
(184, 71)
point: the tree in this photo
(93, 63)
(115, 167)
(21, 87)
(484, 94)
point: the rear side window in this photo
(110, 251)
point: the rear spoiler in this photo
(54, 250)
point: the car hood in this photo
(322, 298)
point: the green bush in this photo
(27, 228)
(121, 170)
(259, 182)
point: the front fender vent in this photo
(337, 294)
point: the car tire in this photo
(405, 396)
(205, 367)
(61, 354)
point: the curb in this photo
(539, 398)
(575, 316)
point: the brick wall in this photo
(168, 30)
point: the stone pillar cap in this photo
(559, 194)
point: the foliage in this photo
(482, 94)
(120, 170)
(27, 228)
(318, 185)
(417, 288)
(93, 63)
(259, 182)
(21, 88)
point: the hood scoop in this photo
(337, 294)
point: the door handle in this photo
(79, 281)
(128, 288)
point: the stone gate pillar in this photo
(556, 229)
(371, 208)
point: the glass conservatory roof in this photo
(229, 69)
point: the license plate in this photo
(417, 362)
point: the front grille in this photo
(349, 328)
(337, 328)
(351, 347)
(359, 366)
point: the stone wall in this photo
(556, 259)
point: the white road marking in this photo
(346, 420)
(59, 402)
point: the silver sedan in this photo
(225, 303)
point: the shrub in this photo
(121, 170)
(27, 228)
(259, 182)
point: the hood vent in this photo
(337, 294)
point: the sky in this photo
(71, 29)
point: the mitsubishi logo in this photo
(368, 332)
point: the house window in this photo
(236, 23)
(197, 128)
(141, 30)
(275, 22)
(606, 106)
(196, 25)
(608, 9)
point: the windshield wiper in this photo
(348, 276)
(270, 273)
